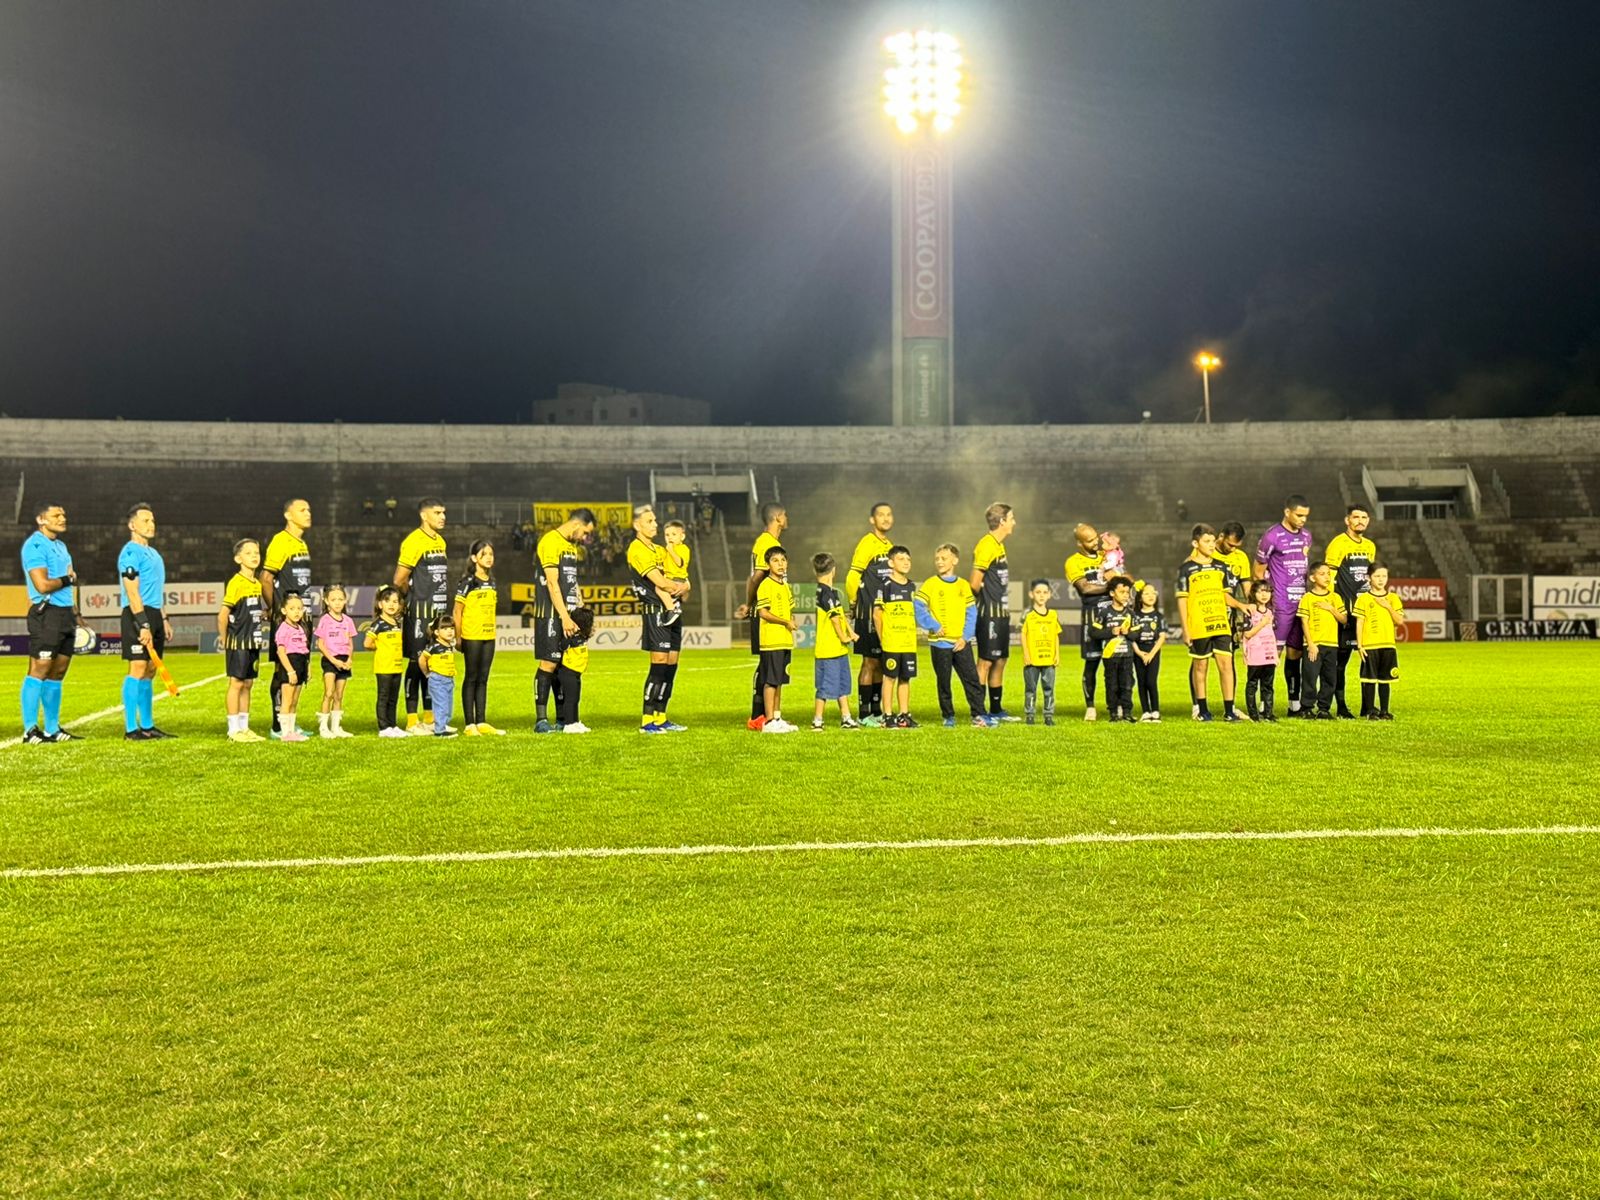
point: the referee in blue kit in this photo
(52, 624)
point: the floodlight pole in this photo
(1205, 384)
(924, 325)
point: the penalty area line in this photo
(116, 709)
(707, 851)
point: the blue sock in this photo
(130, 703)
(52, 705)
(147, 703)
(32, 694)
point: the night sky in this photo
(420, 211)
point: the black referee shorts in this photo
(132, 647)
(51, 628)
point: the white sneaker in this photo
(1155, 717)
(450, 728)
(394, 731)
(342, 732)
(575, 727)
(420, 729)
(1089, 714)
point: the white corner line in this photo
(591, 852)
(115, 709)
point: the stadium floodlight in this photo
(922, 95)
(1207, 362)
(924, 83)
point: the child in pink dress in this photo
(1260, 653)
(292, 650)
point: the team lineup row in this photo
(426, 634)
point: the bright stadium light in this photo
(1207, 362)
(923, 86)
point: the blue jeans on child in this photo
(442, 691)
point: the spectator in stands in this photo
(389, 507)
(367, 507)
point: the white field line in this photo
(116, 709)
(1074, 839)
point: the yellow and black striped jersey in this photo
(290, 563)
(423, 554)
(1351, 562)
(478, 598)
(994, 597)
(389, 655)
(644, 557)
(869, 570)
(555, 551)
(758, 552)
(247, 616)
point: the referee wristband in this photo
(142, 620)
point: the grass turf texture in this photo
(1314, 1018)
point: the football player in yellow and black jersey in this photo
(422, 576)
(774, 521)
(555, 594)
(869, 569)
(894, 619)
(991, 584)
(663, 637)
(1351, 555)
(286, 568)
(1206, 592)
(1086, 572)
(474, 616)
(242, 629)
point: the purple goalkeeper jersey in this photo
(1287, 557)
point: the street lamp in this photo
(922, 95)
(1207, 362)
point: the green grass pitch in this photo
(1392, 1016)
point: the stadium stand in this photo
(1537, 482)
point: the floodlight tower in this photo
(922, 93)
(1207, 362)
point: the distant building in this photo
(594, 404)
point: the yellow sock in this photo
(427, 716)
(411, 719)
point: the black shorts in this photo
(243, 664)
(132, 647)
(1381, 666)
(994, 637)
(659, 638)
(329, 669)
(1208, 646)
(773, 670)
(867, 643)
(1090, 648)
(51, 628)
(547, 639)
(302, 667)
(902, 667)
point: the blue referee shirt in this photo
(144, 564)
(51, 554)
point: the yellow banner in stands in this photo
(607, 516)
(13, 600)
